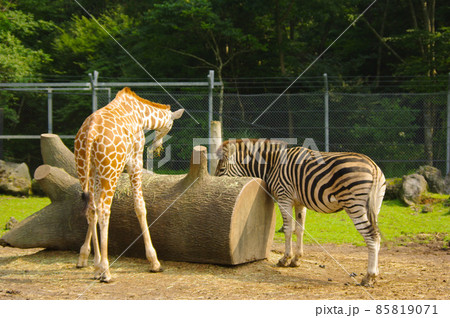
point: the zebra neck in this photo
(263, 165)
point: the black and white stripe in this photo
(325, 182)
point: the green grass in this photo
(397, 222)
(19, 208)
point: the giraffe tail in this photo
(85, 195)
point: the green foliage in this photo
(88, 44)
(57, 40)
(20, 56)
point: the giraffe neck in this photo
(146, 116)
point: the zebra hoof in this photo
(284, 262)
(295, 262)
(368, 280)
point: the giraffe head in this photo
(164, 130)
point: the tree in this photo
(18, 59)
(428, 46)
(201, 32)
(86, 44)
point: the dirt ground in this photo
(407, 272)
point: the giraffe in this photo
(109, 140)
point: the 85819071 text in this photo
(386, 309)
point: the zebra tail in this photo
(376, 196)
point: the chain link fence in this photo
(389, 128)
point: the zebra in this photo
(325, 182)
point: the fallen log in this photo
(193, 217)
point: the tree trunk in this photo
(215, 143)
(55, 153)
(193, 217)
(429, 113)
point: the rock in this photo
(413, 187)
(433, 176)
(14, 178)
(11, 223)
(447, 183)
(447, 202)
(428, 208)
(393, 188)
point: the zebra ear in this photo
(231, 149)
(232, 153)
(220, 153)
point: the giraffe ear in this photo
(177, 114)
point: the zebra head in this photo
(227, 159)
(235, 156)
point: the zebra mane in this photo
(252, 142)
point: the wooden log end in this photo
(42, 172)
(47, 135)
(199, 164)
(252, 224)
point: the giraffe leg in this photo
(103, 200)
(372, 239)
(85, 249)
(97, 254)
(288, 227)
(141, 213)
(102, 269)
(300, 216)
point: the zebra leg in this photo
(373, 244)
(300, 216)
(288, 227)
(372, 239)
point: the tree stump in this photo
(193, 217)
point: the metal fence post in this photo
(210, 111)
(326, 110)
(50, 111)
(448, 125)
(94, 81)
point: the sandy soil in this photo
(407, 272)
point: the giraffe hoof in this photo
(81, 264)
(156, 270)
(105, 280)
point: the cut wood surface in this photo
(192, 217)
